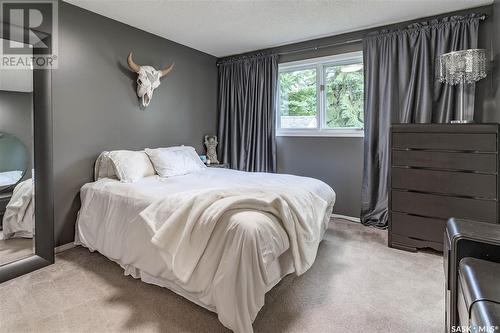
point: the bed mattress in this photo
(109, 222)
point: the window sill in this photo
(351, 133)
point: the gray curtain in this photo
(246, 103)
(402, 86)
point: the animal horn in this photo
(133, 66)
(166, 70)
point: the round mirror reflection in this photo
(14, 161)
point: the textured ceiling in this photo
(223, 28)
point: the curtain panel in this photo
(402, 86)
(247, 91)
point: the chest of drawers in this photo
(440, 171)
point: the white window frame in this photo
(319, 64)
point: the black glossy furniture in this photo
(440, 171)
(478, 296)
(467, 239)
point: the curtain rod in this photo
(315, 48)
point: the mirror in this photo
(26, 170)
(17, 215)
(14, 161)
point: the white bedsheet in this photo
(19, 216)
(109, 222)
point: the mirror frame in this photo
(43, 165)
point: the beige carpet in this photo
(14, 249)
(357, 284)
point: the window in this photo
(321, 97)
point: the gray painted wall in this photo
(15, 115)
(16, 110)
(336, 161)
(95, 106)
(339, 161)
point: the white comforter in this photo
(216, 233)
(182, 225)
(19, 217)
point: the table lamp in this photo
(462, 67)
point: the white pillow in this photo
(130, 166)
(175, 161)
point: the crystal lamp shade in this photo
(465, 66)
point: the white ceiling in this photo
(224, 27)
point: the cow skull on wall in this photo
(148, 79)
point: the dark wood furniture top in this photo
(462, 239)
(439, 171)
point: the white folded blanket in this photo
(183, 225)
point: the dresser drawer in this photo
(483, 162)
(440, 171)
(443, 206)
(418, 227)
(445, 182)
(446, 141)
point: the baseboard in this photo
(345, 217)
(64, 247)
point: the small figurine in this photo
(211, 144)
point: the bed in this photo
(19, 217)
(247, 251)
(9, 178)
